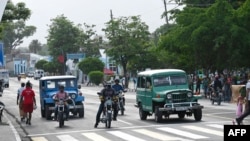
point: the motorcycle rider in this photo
(61, 94)
(107, 91)
(217, 84)
(117, 87)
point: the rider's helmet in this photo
(117, 80)
(108, 85)
(61, 87)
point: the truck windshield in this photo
(169, 80)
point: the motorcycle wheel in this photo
(122, 109)
(61, 119)
(109, 119)
(219, 100)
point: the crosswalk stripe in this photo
(66, 138)
(158, 135)
(125, 136)
(219, 126)
(182, 133)
(95, 137)
(200, 129)
(39, 139)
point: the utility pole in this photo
(166, 12)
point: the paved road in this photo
(128, 127)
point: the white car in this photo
(30, 74)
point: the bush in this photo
(96, 77)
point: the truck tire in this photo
(158, 115)
(143, 115)
(197, 114)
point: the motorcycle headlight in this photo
(169, 96)
(73, 96)
(189, 94)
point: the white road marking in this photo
(159, 136)
(95, 137)
(125, 136)
(182, 133)
(66, 138)
(39, 139)
(208, 131)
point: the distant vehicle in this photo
(4, 74)
(30, 74)
(38, 74)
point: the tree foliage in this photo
(62, 38)
(35, 46)
(88, 41)
(40, 64)
(212, 38)
(12, 28)
(129, 40)
(90, 64)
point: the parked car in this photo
(163, 92)
(49, 86)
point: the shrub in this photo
(96, 77)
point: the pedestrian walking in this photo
(28, 102)
(239, 119)
(239, 108)
(19, 92)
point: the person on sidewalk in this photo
(19, 92)
(239, 120)
(239, 109)
(28, 102)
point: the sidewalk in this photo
(7, 130)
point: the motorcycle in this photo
(107, 113)
(121, 102)
(1, 110)
(61, 114)
(216, 96)
(18, 77)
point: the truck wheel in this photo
(47, 112)
(158, 114)
(81, 111)
(197, 114)
(42, 112)
(143, 114)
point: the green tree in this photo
(35, 46)
(12, 27)
(50, 67)
(62, 38)
(88, 41)
(128, 37)
(40, 64)
(91, 64)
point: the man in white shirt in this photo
(19, 92)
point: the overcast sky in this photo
(96, 12)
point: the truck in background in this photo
(4, 75)
(39, 73)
